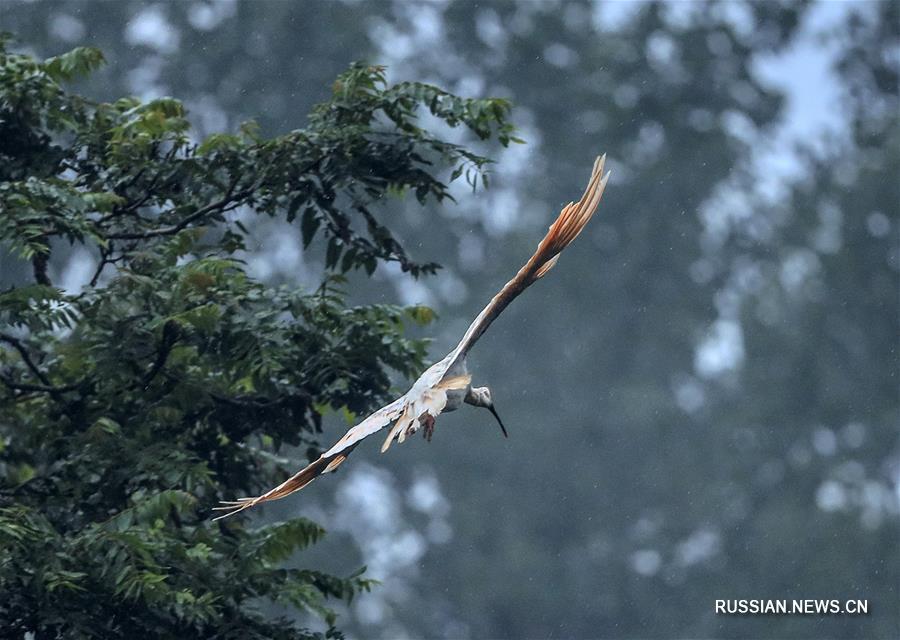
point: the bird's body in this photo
(446, 385)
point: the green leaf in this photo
(107, 425)
(333, 253)
(77, 62)
(218, 142)
(309, 226)
(278, 542)
(421, 314)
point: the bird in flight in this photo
(446, 385)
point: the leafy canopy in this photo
(168, 382)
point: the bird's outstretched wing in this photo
(563, 231)
(429, 393)
(405, 410)
(328, 461)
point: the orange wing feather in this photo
(562, 232)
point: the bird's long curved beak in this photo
(499, 421)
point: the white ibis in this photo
(446, 385)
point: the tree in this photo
(172, 379)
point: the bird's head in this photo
(482, 398)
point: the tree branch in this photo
(222, 204)
(39, 265)
(26, 358)
(137, 204)
(225, 203)
(105, 259)
(248, 402)
(169, 338)
(40, 388)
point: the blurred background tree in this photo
(703, 399)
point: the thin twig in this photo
(248, 402)
(230, 198)
(26, 358)
(104, 260)
(169, 338)
(39, 266)
(40, 388)
(137, 204)
(199, 213)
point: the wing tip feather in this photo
(296, 482)
(574, 216)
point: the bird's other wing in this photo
(328, 461)
(563, 231)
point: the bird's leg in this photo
(427, 421)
